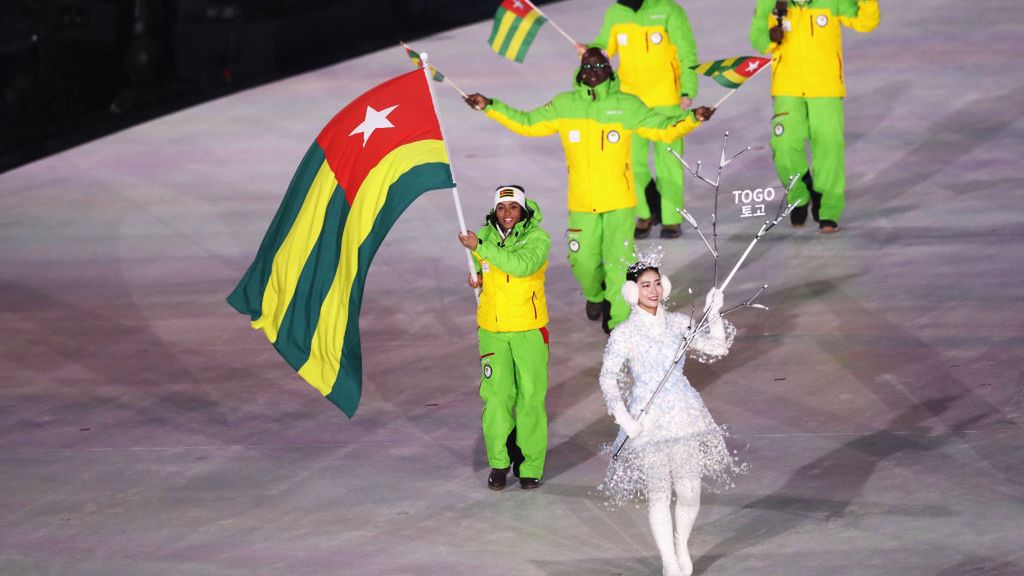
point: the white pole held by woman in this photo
(455, 189)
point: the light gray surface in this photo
(146, 430)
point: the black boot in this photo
(496, 481)
(594, 310)
(606, 315)
(798, 216)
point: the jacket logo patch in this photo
(779, 130)
(656, 38)
(613, 136)
(623, 39)
(613, 112)
(659, 16)
(488, 371)
(822, 20)
(787, 26)
(574, 245)
(485, 266)
(574, 136)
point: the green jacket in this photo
(809, 61)
(656, 50)
(512, 298)
(596, 126)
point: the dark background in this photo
(74, 70)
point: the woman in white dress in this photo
(677, 443)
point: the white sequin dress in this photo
(680, 439)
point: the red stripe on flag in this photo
(518, 7)
(749, 66)
(368, 118)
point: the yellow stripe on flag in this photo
(294, 251)
(734, 77)
(321, 369)
(506, 23)
(521, 32)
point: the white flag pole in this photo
(455, 189)
(555, 26)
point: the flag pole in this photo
(446, 80)
(729, 93)
(455, 188)
(553, 24)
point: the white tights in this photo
(675, 555)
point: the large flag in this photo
(515, 25)
(305, 287)
(732, 72)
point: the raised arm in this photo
(521, 260)
(862, 15)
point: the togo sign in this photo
(751, 202)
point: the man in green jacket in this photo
(511, 251)
(656, 52)
(597, 122)
(804, 38)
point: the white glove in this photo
(713, 303)
(629, 425)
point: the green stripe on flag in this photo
(247, 296)
(528, 40)
(300, 320)
(499, 17)
(507, 41)
(347, 388)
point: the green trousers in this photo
(819, 120)
(600, 250)
(667, 169)
(513, 386)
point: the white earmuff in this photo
(666, 287)
(631, 292)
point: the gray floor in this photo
(145, 429)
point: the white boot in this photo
(686, 508)
(660, 518)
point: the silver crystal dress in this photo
(680, 441)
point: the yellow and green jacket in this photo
(512, 298)
(656, 50)
(809, 62)
(596, 126)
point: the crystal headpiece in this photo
(650, 259)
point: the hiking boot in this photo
(594, 310)
(798, 215)
(828, 227)
(496, 481)
(643, 228)
(671, 230)
(529, 483)
(653, 197)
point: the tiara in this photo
(650, 259)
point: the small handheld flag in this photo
(733, 72)
(304, 289)
(515, 25)
(435, 74)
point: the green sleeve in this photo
(862, 16)
(522, 260)
(604, 35)
(659, 127)
(686, 50)
(541, 121)
(759, 39)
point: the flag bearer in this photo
(511, 251)
(805, 41)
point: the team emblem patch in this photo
(488, 371)
(574, 245)
(779, 130)
(656, 38)
(613, 136)
(822, 20)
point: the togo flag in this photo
(515, 25)
(415, 57)
(732, 72)
(305, 287)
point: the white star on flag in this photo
(373, 120)
(753, 65)
(518, 4)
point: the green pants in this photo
(667, 169)
(513, 385)
(821, 120)
(600, 250)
